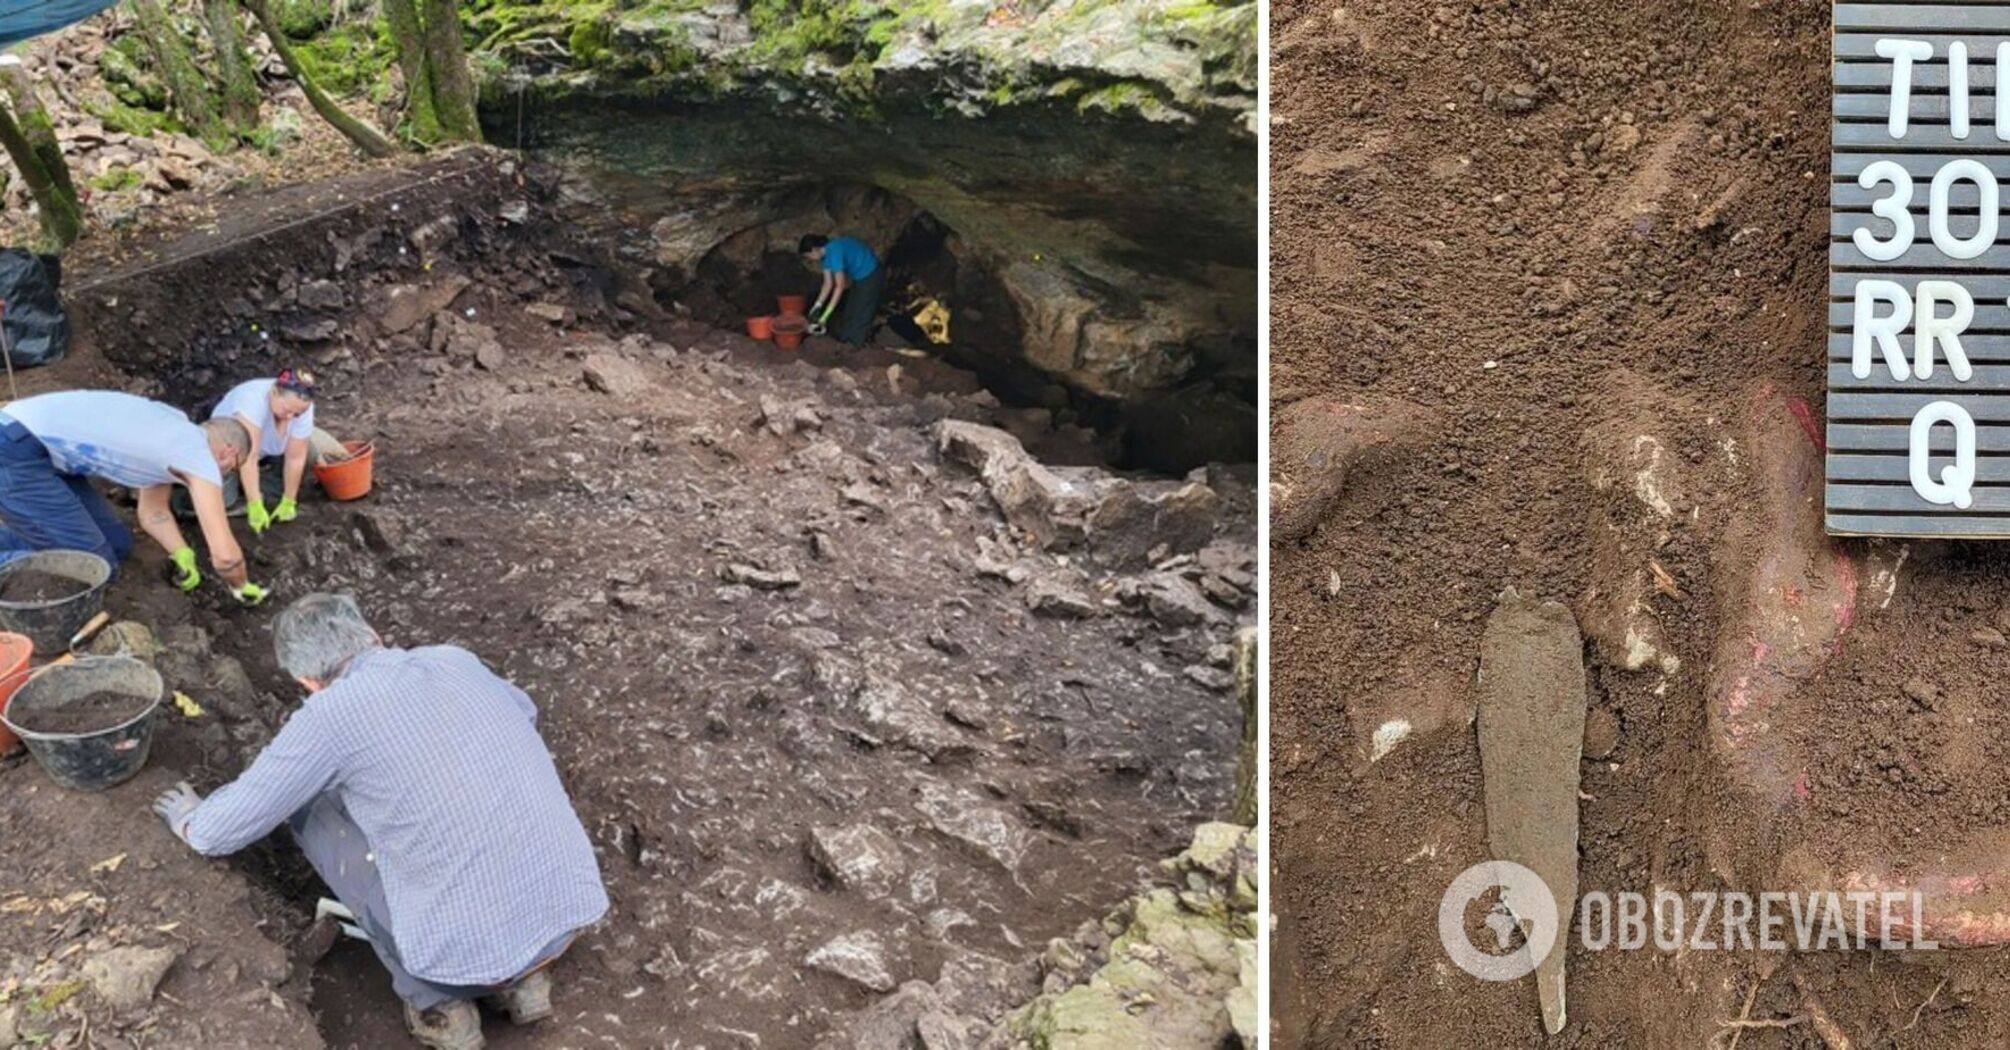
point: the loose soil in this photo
(1531, 222)
(29, 585)
(84, 714)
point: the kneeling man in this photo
(417, 785)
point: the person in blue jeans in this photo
(853, 282)
(51, 445)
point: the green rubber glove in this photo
(250, 594)
(254, 512)
(286, 511)
(190, 577)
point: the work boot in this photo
(452, 1025)
(527, 1001)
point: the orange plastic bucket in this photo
(349, 479)
(795, 305)
(789, 331)
(15, 652)
(761, 328)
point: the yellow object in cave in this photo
(933, 317)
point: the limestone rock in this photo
(127, 638)
(857, 957)
(471, 340)
(858, 857)
(1177, 972)
(1050, 504)
(616, 375)
(1135, 519)
(322, 295)
(761, 579)
(125, 978)
(964, 816)
(1175, 601)
(896, 714)
(405, 305)
(1049, 597)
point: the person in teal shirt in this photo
(853, 283)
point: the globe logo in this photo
(1525, 907)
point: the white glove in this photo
(175, 806)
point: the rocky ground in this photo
(1549, 301)
(851, 691)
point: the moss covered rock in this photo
(1163, 60)
(1179, 971)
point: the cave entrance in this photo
(945, 297)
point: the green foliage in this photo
(267, 139)
(588, 42)
(1122, 96)
(1190, 10)
(302, 19)
(788, 31)
(349, 59)
(133, 120)
(495, 26)
(855, 80)
(112, 180)
(124, 65)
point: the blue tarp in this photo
(21, 19)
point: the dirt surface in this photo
(29, 585)
(785, 651)
(1556, 230)
(83, 714)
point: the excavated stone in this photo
(612, 374)
(1049, 597)
(405, 305)
(857, 957)
(964, 816)
(858, 857)
(125, 978)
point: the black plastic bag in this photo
(38, 332)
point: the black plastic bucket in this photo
(95, 760)
(51, 625)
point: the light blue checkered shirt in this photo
(439, 762)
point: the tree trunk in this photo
(241, 99)
(61, 220)
(447, 65)
(423, 122)
(1246, 758)
(368, 139)
(187, 89)
(36, 126)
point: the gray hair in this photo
(231, 432)
(318, 635)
